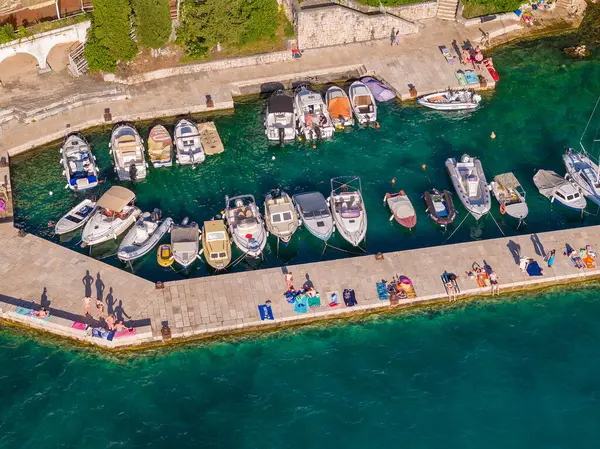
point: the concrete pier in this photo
(37, 272)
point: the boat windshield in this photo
(215, 236)
(281, 217)
(218, 255)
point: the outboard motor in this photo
(156, 214)
(133, 172)
(281, 135)
(185, 221)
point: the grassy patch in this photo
(477, 8)
(42, 27)
(376, 3)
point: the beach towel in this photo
(350, 297)
(471, 77)
(314, 301)
(300, 304)
(447, 54)
(104, 334)
(382, 293)
(533, 269)
(30, 313)
(333, 298)
(265, 311)
(125, 333)
(80, 326)
(446, 277)
(589, 262)
(460, 76)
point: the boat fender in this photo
(185, 221)
(502, 208)
(377, 125)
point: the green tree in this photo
(152, 22)
(112, 28)
(97, 55)
(589, 30)
(7, 33)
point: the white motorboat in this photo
(401, 208)
(185, 242)
(246, 224)
(187, 143)
(314, 212)
(470, 184)
(280, 118)
(76, 217)
(510, 194)
(127, 149)
(559, 189)
(144, 236)
(363, 103)
(115, 214)
(451, 100)
(338, 106)
(348, 208)
(280, 215)
(584, 172)
(79, 163)
(313, 120)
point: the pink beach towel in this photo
(80, 326)
(125, 333)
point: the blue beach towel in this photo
(102, 333)
(350, 297)
(382, 293)
(471, 77)
(266, 313)
(334, 299)
(30, 313)
(301, 304)
(533, 269)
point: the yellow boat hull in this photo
(164, 256)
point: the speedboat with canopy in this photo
(144, 236)
(338, 106)
(114, 215)
(584, 172)
(216, 245)
(160, 147)
(280, 215)
(402, 209)
(559, 189)
(470, 184)
(127, 149)
(187, 143)
(451, 100)
(510, 194)
(314, 121)
(363, 103)
(185, 242)
(76, 217)
(380, 91)
(314, 212)
(79, 163)
(246, 225)
(348, 208)
(440, 207)
(280, 118)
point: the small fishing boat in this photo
(246, 224)
(338, 106)
(584, 172)
(363, 103)
(470, 184)
(380, 91)
(216, 244)
(187, 143)
(280, 215)
(314, 212)
(164, 256)
(114, 215)
(160, 147)
(313, 120)
(451, 100)
(127, 149)
(510, 194)
(185, 242)
(76, 217)
(559, 189)
(144, 236)
(280, 118)
(440, 207)
(348, 208)
(79, 163)
(402, 209)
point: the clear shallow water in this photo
(510, 374)
(541, 105)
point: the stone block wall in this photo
(416, 11)
(332, 24)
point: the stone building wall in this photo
(332, 24)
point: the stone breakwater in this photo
(39, 273)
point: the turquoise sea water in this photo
(509, 374)
(541, 105)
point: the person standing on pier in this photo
(397, 38)
(495, 285)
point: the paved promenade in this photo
(36, 272)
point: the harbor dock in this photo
(229, 303)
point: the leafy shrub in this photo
(112, 28)
(7, 33)
(152, 22)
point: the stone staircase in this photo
(447, 9)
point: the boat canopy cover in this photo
(116, 198)
(280, 104)
(313, 202)
(339, 106)
(401, 206)
(548, 181)
(507, 180)
(184, 234)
